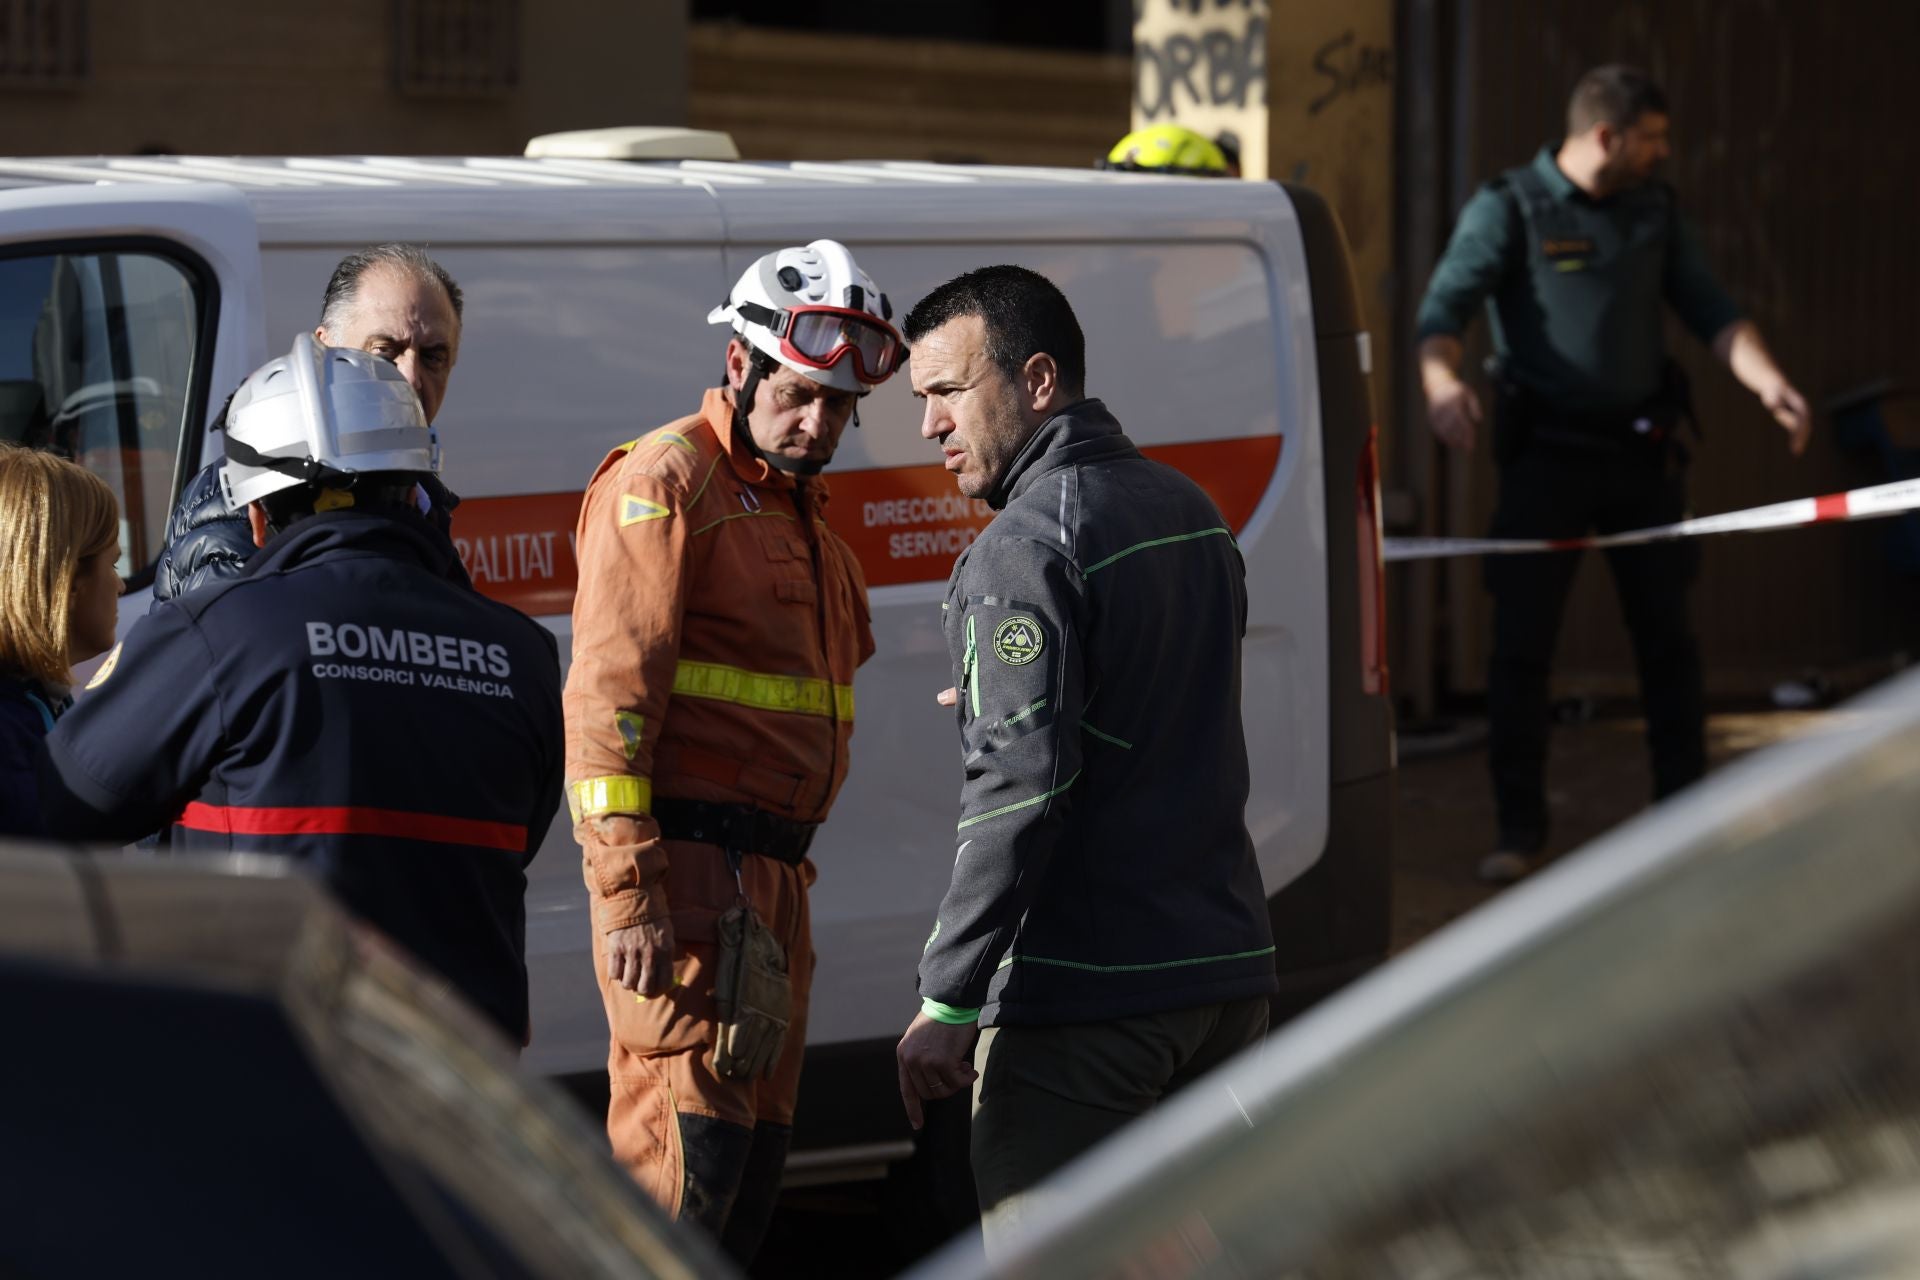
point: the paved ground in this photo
(1444, 823)
(1597, 778)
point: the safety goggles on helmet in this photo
(820, 337)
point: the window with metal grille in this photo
(457, 48)
(43, 43)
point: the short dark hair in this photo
(1615, 95)
(1024, 313)
(344, 287)
(370, 489)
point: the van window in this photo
(97, 353)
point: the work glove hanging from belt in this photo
(754, 996)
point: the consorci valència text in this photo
(392, 655)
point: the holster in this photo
(1671, 411)
(1512, 415)
(754, 995)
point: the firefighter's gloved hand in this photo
(754, 995)
(624, 862)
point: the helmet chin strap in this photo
(758, 366)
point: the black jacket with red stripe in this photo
(352, 703)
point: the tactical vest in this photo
(1559, 244)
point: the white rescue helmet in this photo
(321, 413)
(812, 309)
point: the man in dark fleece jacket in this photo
(1106, 923)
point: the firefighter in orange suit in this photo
(709, 710)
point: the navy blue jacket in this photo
(350, 701)
(27, 712)
(207, 541)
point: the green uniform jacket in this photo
(1575, 285)
(1103, 866)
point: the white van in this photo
(1221, 328)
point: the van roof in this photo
(308, 172)
(330, 201)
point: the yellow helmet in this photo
(1168, 148)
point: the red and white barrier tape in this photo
(1855, 504)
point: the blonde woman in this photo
(59, 593)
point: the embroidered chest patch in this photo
(1018, 640)
(1567, 253)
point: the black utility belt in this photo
(1657, 419)
(737, 828)
(1522, 415)
(1523, 421)
(1613, 437)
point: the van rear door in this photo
(124, 312)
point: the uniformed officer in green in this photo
(1575, 254)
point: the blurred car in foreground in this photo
(209, 1071)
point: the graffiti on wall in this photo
(1345, 66)
(1203, 64)
(1216, 58)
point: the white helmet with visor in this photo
(814, 310)
(321, 414)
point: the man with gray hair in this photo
(388, 299)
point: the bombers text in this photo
(416, 648)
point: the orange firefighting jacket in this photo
(716, 630)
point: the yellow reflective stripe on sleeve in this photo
(665, 436)
(615, 793)
(803, 695)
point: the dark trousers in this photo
(1555, 492)
(1046, 1094)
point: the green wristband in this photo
(948, 1014)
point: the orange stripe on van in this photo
(905, 524)
(519, 550)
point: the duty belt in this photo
(738, 828)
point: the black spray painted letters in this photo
(1348, 69)
(1222, 66)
